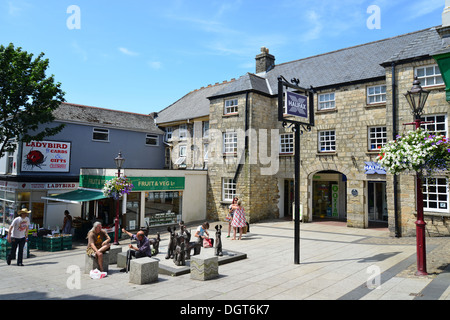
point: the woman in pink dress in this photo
(238, 220)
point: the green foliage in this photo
(27, 98)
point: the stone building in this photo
(232, 130)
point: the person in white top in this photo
(17, 235)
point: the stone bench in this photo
(113, 252)
(91, 263)
(121, 260)
(204, 267)
(144, 270)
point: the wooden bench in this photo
(91, 263)
(144, 270)
(204, 267)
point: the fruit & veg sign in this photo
(46, 156)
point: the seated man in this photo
(143, 248)
(98, 243)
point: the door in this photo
(377, 202)
(326, 199)
(289, 192)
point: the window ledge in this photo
(234, 114)
(375, 105)
(435, 87)
(334, 110)
(323, 154)
(286, 154)
(436, 214)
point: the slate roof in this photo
(426, 43)
(106, 118)
(355, 64)
(193, 105)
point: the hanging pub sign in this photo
(296, 105)
(46, 156)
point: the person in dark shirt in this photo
(143, 248)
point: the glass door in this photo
(377, 201)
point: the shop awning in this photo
(77, 196)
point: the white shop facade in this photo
(159, 197)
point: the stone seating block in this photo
(91, 263)
(121, 260)
(144, 270)
(113, 252)
(204, 267)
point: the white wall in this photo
(55, 213)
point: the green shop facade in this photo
(158, 198)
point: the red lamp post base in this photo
(421, 250)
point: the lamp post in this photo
(119, 163)
(416, 98)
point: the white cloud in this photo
(155, 65)
(79, 50)
(316, 26)
(419, 8)
(13, 10)
(128, 52)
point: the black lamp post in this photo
(416, 98)
(119, 163)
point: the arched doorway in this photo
(329, 197)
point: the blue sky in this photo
(143, 55)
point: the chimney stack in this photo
(446, 14)
(265, 61)
(444, 30)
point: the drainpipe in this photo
(394, 131)
(244, 153)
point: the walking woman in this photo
(238, 220)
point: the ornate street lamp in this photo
(119, 160)
(416, 98)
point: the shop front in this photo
(15, 195)
(329, 196)
(376, 193)
(158, 198)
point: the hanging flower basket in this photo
(416, 151)
(117, 187)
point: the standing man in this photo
(143, 248)
(17, 236)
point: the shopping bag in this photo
(25, 251)
(97, 274)
(207, 243)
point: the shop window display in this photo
(162, 207)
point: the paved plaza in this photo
(337, 263)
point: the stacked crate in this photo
(50, 243)
(5, 248)
(66, 241)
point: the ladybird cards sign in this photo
(46, 156)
